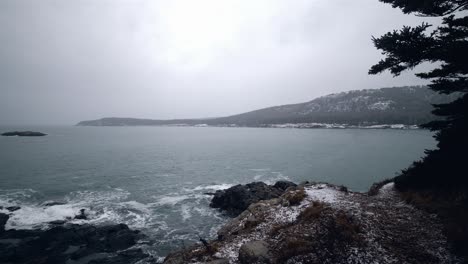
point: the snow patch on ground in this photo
(323, 193)
(387, 190)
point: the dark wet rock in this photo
(304, 183)
(71, 249)
(53, 203)
(283, 185)
(124, 257)
(91, 258)
(7, 241)
(254, 252)
(81, 215)
(70, 244)
(3, 220)
(57, 222)
(13, 208)
(24, 134)
(119, 237)
(344, 189)
(218, 261)
(180, 257)
(238, 198)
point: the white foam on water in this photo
(101, 207)
(258, 176)
(185, 212)
(113, 205)
(135, 214)
(277, 176)
(265, 169)
(30, 217)
(15, 197)
(136, 220)
(215, 187)
(172, 200)
(203, 211)
(98, 197)
(138, 206)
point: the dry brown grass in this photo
(295, 197)
(293, 247)
(277, 228)
(332, 233)
(346, 228)
(313, 211)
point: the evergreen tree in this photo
(446, 46)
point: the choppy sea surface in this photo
(154, 178)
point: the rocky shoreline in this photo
(323, 223)
(71, 244)
(238, 198)
(280, 223)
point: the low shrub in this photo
(295, 197)
(313, 211)
(293, 247)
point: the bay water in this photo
(154, 179)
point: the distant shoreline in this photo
(394, 108)
(285, 125)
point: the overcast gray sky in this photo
(66, 61)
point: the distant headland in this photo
(397, 108)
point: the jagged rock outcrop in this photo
(70, 244)
(328, 225)
(238, 198)
(13, 208)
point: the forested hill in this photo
(398, 105)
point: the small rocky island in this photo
(24, 134)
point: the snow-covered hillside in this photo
(398, 105)
(385, 106)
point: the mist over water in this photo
(154, 178)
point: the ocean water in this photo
(154, 178)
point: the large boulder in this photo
(238, 198)
(218, 261)
(254, 252)
(71, 243)
(13, 208)
(283, 185)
